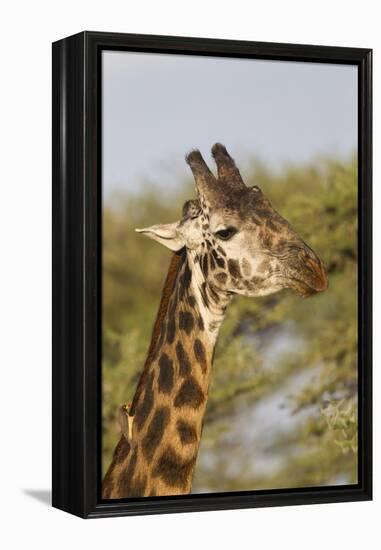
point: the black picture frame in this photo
(77, 200)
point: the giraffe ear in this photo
(167, 234)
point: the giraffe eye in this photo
(226, 234)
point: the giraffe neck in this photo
(169, 405)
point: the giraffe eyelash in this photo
(226, 234)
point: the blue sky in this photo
(157, 107)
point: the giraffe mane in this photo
(174, 267)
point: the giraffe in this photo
(229, 241)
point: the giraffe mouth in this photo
(303, 289)
(315, 279)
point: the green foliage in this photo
(293, 357)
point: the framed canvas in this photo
(211, 274)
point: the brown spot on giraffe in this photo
(166, 373)
(121, 451)
(263, 266)
(204, 295)
(138, 486)
(146, 404)
(173, 469)
(200, 323)
(234, 269)
(191, 301)
(187, 432)
(200, 354)
(183, 360)
(212, 261)
(190, 394)
(125, 477)
(268, 239)
(186, 321)
(257, 280)
(171, 331)
(221, 277)
(204, 265)
(187, 277)
(246, 267)
(155, 431)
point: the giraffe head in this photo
(243, 246)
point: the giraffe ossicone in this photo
(229, 240)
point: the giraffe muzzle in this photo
(312, 277)
(308, 274)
